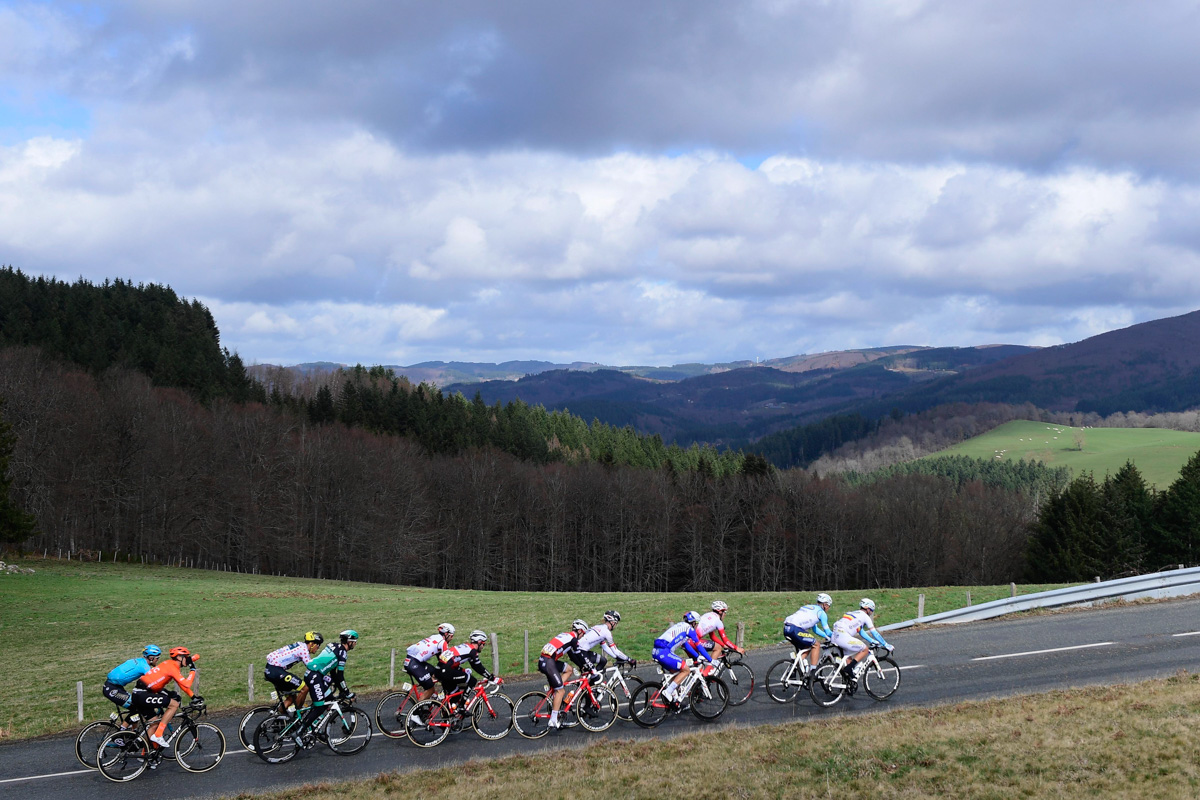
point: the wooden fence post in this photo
(250, 681)
(920, 607)
(526, 672)
(1013, 588)
(741, 633)
(392, 671)
(79, 698)
(495, 656)
(968, 599)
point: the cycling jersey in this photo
(427, 648)
(128, 671)
(156, 679)
(712, 625)
(330, 663)
(600, 635)
(810, 618)
(854, 624)
(452, 659)
(290, 654)
(556, 647)
(681, 634)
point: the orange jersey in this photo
(157, 678)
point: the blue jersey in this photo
(681, 634)
(129, 671)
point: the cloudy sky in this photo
(622, 182)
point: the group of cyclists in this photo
(437, 659)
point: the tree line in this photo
(109, 462)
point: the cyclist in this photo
(551, 665)
(276, 671)
(682, 634)
(854, 624)
(152, 696)
(126, 673)
(324, 671)
(454, 677)
(803, 627)
(417, 660)
(712, 625)
(582, 653)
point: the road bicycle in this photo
(89, 739)
(345, 728)
(878, 675)
(199, 746)
(255, 716)
(488, 710)
(706, 695)
(738, 676)
(786, 678)
(620, 680)
(588, 702)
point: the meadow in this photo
(74, 621)
(1158, 453)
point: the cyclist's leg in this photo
(320, 687)
(285, 683)
(118, 696)
(800, 639)
(422, 676)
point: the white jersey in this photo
(852, 622)
(805, 618)
(427, 648)
(600, 635)
(710, 622)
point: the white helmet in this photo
(824, 599)
(579, 625)
(446, 629)
(719, 606)
(478, 636)
(612, 616)
(867, 603)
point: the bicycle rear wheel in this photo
(648, 706)
(784, 683)
(125, 755)
(882, 682)
(531, 715)
(623, 697)
(274, 739)
(200, 747)
(492, 716)
(391, 712)
(710, 705)
(89, 739)
(348, 731)
(826, 686)
(739, 680)
(599, 714)
(429, 723)
(250, 723)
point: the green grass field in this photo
(1159, 454)
(72, 621)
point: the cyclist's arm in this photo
(822, 626)
(692, 647)
(614, 651)
(477, 665)
(718, 636)
(183, 683)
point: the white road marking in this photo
(50, 775)
(1190, 633)
(914, 666)
(1039, 652)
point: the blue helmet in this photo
(691, 618)
(152, 651)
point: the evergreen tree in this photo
(1175, 537)
(1128, 507)
(1065, 545)
(15, 525)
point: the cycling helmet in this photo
(612, 616)
(867, 603)
(313, 637)
(446, 629)
(478, 636)
(348, 636)
(152, 651)
(180, 651)
(719, 606)
(824, 599)
(579, 625)
(691, 618)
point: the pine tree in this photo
(1175, 535)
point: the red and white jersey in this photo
(852, 622)
(600, 635)
(427, 648)
(560, 644)
(710, 622)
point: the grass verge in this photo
(1129, 741)
(76, 621)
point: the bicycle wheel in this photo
(882, 681)
(826, 685)
(428, 724)
(125, 756)
(390, 714)
(739, 680)
(250, 723)
(710, 705)
(783, 681)
(624, 695)
(348, 731)
(597, 714)
(493, 716)
(648, 706)
(274, 739)
(200, 747)
(89, 739)
(531, 715)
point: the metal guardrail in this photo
(1158, 585)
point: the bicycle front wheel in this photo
(274, 739)
(624, 693)
(348, 731)
(739, 680)
(711, 704)
(598, 711)
(250, 723)
(390, 714)
(648, 706)
(122, 756)
(881, 680)
(531, 716)
(492, 716)
(89, 739)
(429, 723)
(200, 747)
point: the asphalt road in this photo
(940, 665)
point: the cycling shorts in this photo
(668, 659)
(320, 687)
(116, 693)
(848, 643)
(799, 637)
(420, 671)
(281, 679)
(587, 661)
(552, 668)
(148, 703)
(455, 679)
